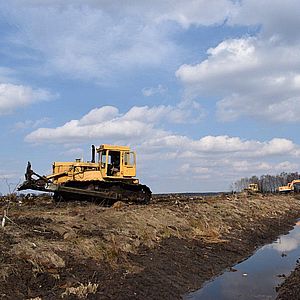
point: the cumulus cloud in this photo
(278, 146)
(14, 96)
(214, 145)
(232, 167)
(184, 112)
(250, 77)
(99, 115)
(103, 123)
(107, 122)
(143, 126)
(254, 76)
(244, 166)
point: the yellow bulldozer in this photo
(110, 175)
(252, 188)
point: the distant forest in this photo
(266, 183)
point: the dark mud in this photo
(290, 289)
(179, 265)
(171, 268)
(176, 267)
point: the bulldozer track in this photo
(110, 191)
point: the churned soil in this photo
(290, 289)
(164, 250)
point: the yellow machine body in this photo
(252, 187)
(109, 176)
(290, 187)
(113, 163)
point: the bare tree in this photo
(267, 183)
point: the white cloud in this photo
(160, 89)
(99, 115)
(253, 76)
(278, 146)
(184, 112)
(108, 123)
(287, 243)
(143, 126)
(14, 96)
(250, 77)
(21, 125)
(214, 145)
(229, 57)
(195, 12)
(259, 167)
(87, 128)
(223, 143)
(91, 40)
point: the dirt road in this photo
(159, 251)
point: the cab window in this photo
(129, 159)
(102, 158)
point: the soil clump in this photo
(290, 288)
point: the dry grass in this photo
(108, 234)
(5, 271)
(82, 291)
(42, 257)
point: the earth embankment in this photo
(159, 251)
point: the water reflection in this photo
(286, 244)
(256, 277)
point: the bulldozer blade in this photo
(32, 183)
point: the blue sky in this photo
(206, 92)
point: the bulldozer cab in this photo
(117, 161)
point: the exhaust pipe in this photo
(93, 154)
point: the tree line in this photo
(267, 183)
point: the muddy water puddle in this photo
(258, 276)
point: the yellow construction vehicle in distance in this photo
(252, 188)
(293, 186)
